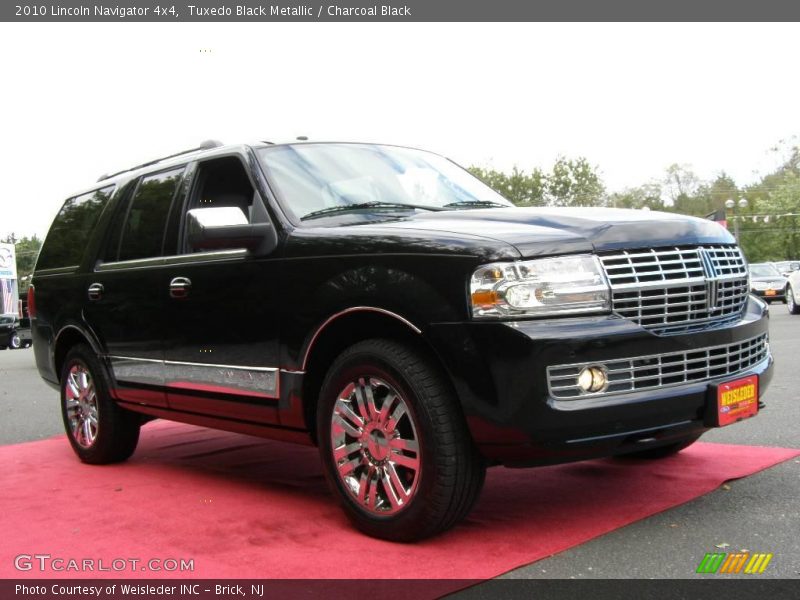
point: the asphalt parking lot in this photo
(760, 513)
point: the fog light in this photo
(592, 379)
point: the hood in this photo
(507, 233)
(543, 231)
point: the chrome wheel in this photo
(81, 405)
(375, 446)
(15, 342)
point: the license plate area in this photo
(732, 401)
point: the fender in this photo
(85, 332)
(333, 317)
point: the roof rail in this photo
(205, 145)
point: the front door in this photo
(221, 334)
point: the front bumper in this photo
(500, 369)
(779, 294)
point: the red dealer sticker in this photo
(737, 400)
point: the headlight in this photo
(548, 286)
(759, 285)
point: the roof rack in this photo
(206, 145)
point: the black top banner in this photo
(401, 10)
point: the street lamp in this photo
(731, 204)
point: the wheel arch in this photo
(345, 328)
(68, 337)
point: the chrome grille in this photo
(670, 290)
(642, 373)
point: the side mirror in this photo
(226, 228)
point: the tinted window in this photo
(71, 229)
(143, 233)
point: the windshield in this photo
(331, 179)
(764, 271)
(785, 267)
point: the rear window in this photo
(142, 236)
(66, 241)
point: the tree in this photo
(518, 187)
(574, 183)
(571, 182)
(643, 196)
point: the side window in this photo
(143, 233)
(223, 182)
(74, 224)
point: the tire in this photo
(793, 307)
(99, 430)
(14, 342)
(425, 474)
(665, 451)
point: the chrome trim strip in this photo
(348, 311)
(292, 372)
(194, 376)
(176, 259)
(146, 371)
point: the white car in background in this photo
(793, 293)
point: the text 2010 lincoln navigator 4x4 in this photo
(384, 304)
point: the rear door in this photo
(127, 290)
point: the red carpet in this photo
(243, 507)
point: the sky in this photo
(80, 100)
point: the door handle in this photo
(96, 291)
(179, 287)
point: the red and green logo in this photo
(734, 562)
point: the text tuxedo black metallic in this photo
(383, 304)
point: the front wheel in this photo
(790, 303)
(394, 443)
(99, 430)
(14, 342)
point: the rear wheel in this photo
(394, 443)
(790, 302)
(14, 342)
(664, 451)
(99, 430)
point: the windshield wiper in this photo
(468, 203)
(365, 205)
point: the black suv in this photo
(385, 305)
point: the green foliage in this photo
(519, 187)
(644, 196)
(571, 182)
(574, 183)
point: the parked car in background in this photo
(15, 333)
(787, 267)
(767, 282)
(793, 293)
